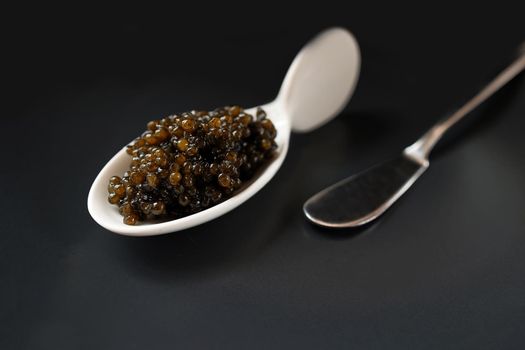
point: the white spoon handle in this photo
(321, 79)
(421, 149)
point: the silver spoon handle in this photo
(421, 149)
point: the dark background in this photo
(442, 269)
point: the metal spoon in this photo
(316, 88)
(363, 197)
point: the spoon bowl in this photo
(317, 87)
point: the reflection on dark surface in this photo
(346, 233)
(231, 239)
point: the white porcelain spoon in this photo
(317, 87)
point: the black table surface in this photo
(444, 268)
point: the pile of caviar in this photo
(188, 162)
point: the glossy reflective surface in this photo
(362, 197)
(442, 269)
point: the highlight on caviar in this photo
(188, 162)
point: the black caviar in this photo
(191, 161)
